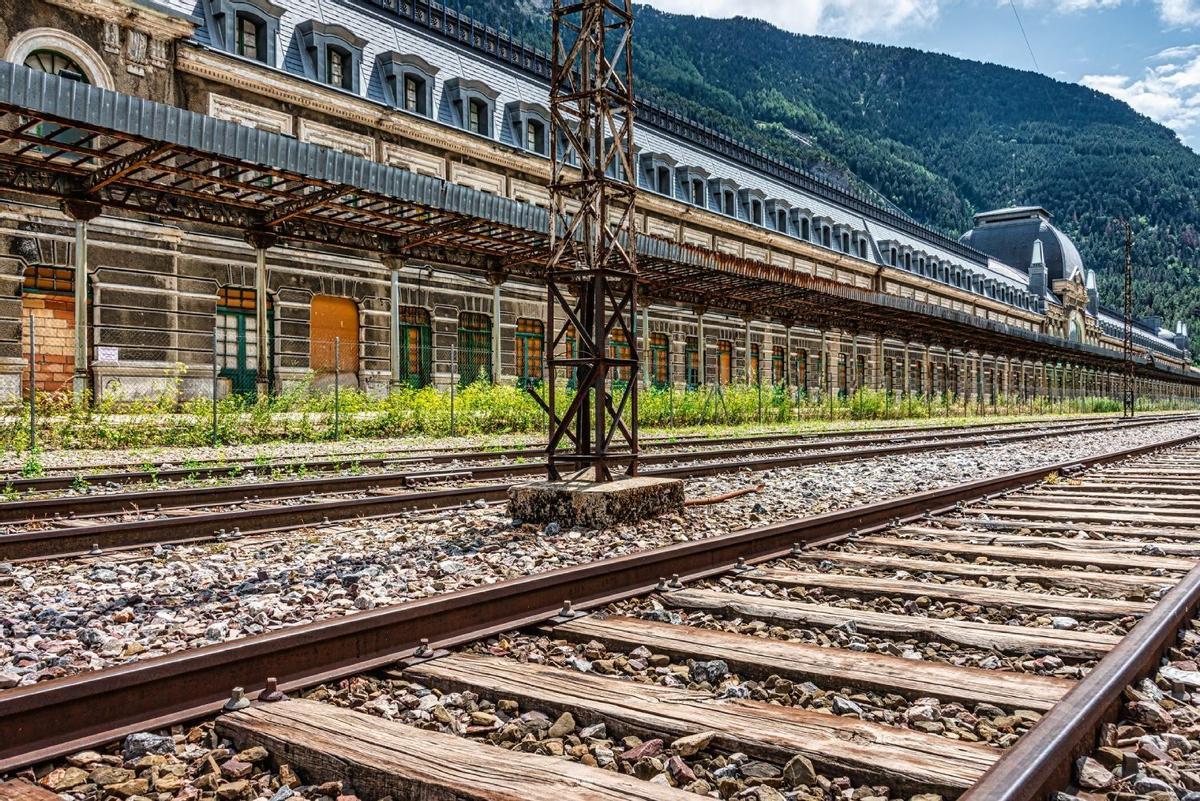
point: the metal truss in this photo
(591, 273)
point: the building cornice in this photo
(158, 22)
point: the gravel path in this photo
(64, 617)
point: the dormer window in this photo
(751, 202)
(473, 103)
(251, 37)
(535, 136)
(723, 194)
(332, 54)
(778, 216)
(801, 224)
(691, 185)
(248, 28)
(657, 173)
(337, 64)
(529, 127)
(407, 82)
(862, 247)
(477, 112)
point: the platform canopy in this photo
(68, 140)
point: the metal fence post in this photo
(32, 388)
(337, 385)
(215, 384)
(453, 383)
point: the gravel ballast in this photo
(62, 617)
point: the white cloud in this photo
(1168, 92)
(835, 17)
(1179, 13)
(1173, 13)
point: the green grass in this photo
(480, 411)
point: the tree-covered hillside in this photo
(940, 137)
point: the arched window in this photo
(777, 363)
(474, 347)
(691, 355)
(660, 360)
(416, 353)
(805, 233)
(56, 63)
(618, 348)
(724, 361)
(530, 337)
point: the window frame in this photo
(529, 347)
(396, 69)
(464, 92)
(224, 18)
(318, 40)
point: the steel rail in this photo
(68, 477)
(80, 506)
(1040, 763)
(78, 540)
(58, 717)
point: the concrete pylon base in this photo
(585, 503)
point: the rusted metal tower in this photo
(1130, 377)
(591, 276)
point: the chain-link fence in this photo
(145, 386)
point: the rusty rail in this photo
(1040, 763)
(75, 540)
(67, 477)
(58, 717)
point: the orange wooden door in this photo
(333, 320)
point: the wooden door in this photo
(333, 321)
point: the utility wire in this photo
(1012, 4)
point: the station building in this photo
(193, 250)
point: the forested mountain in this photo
(938, 136)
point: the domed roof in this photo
(1008, 235)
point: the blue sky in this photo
(1145, 52)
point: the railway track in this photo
(71, 525)
(970, 642)
(82, 477)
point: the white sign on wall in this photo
(108, 354)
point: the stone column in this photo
(261, 241)
(393, 264)
(82, 212)
(880, 380)
(787, 355)
(496, 280)
(701, 349)
(749, 377)
(852, 369)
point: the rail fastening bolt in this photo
(422, 648)
(271, 691)
(237, 700)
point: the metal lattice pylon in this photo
(1128, 390)
(591, 275)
